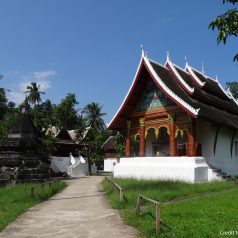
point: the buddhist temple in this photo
(184, 121)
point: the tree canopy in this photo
(34, 93)
(226, 24)
(94, 114)
(66, 113)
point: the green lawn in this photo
(15, 200)
(190, 210)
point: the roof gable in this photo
(163, 80)
(152, 99)
(63, 135)
(191, 90)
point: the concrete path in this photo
(81, 210)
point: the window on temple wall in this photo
(181, 140)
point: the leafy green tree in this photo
(96, 135)
(93, 141)
(8, 120)
(120, 145)
(11, 105)
(67, 114)
(46, 115)
(34, 93)
(93, 114)
(97, 153)
(3, 103)
(226, 24)
(47, 145)
(233, 87)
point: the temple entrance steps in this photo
(218, 174)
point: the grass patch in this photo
(14, 200)
(191, 210)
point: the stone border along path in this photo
(79, 211)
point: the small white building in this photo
(110, 152)
(178, 123)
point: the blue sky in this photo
(92, 48)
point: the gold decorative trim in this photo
(142, 121)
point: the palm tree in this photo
(34, 95)
(34, 92)
(94, 114)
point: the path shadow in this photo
(87, 196)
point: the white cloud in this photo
(17, 93)
(17, 97)
(41, 75)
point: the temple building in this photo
(185, 125)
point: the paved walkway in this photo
(80, 210)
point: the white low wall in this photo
(109, 164)
(61, 164)
(189, 169)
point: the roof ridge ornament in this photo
(203, 70)
(186, 61)
(167, 57)
(143, 53)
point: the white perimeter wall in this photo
(109, 164)
(222, 158)
(189, 169)
(61, 164)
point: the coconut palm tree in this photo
(34, 95)
(93, 114)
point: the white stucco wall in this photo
(109, 164)
(205, 135)
(189, 169)
(61, 164)
(222, 158)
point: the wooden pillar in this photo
(172, 140)
(128, 139)
(142, 137)
(191, 138)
